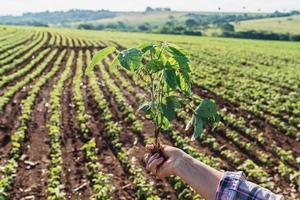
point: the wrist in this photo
(180, 164)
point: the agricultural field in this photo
(275, 25)
(68, 133)
(138, 18)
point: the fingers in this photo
(149, 157)
(164, 170)
(146, 157)
(155, 156)
(153, 166)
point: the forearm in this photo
(202, 178)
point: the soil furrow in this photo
(270, 132)
(220, 136)
(27, 40)
(29, 58)
(110, 164)
(31, 180)
(9, 119)
(136, 143)
(73, 156)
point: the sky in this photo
(17, 7)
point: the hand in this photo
(165, 165)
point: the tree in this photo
(149, 9)
(144, 27)
(191, 23)
(227, 27)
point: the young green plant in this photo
(166, 69)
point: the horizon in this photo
(17, 7)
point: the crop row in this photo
(262, 156)
(288, 101)
(21, 72)
(100, 182)
(11, 90)
(234, 156)
(17, 138)
(182, 190)
(7, 46)
(268, 67)
(228, 90)
(18, 58)
(112, 132)
(9, 34)
(54, 186)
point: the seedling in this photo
(166, 70)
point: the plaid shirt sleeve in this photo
(234, 186)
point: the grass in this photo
(277, 25)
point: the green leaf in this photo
(190, 123)
(180, 56)
(148, 109)
(174, 101)
(168, 111)
(165, 123)
(198, 128)
(170, 78)
(169, 106)
(100, 55)
(184, 81)
(206, 109)
(213, 121)
(178, 53)
(154, 66)
(146, 47)
(131, 59)
(145, 107)
(114, 63)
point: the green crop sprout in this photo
(166, 69)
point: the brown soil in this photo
(27, 59)
(132, 142)
(72, 154)
(31, 180)
(9, 119)
(28, 40)
(270, 132)
(221, 139)
(110, 164)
